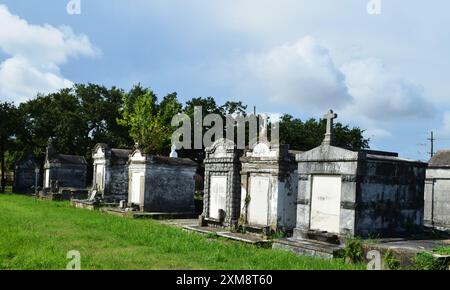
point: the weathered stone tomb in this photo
(269, 180)
(437, 190)
(161, 184)
(64, 171)
(222, 190)
(110, 178)
(25, 175)
(357, 193)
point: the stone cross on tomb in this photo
(329, 136)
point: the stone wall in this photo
(68, 175)
(437, 197)
(25, 176)
(110, 176)
(161, 184)
(169, 189)
(390, 197)
(118, 181)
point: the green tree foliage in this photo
(100, 110)
(209, 106)
(76, 118)
(149, 122)
(306, 135)
(230, 108)
(8, 126)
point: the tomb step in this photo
(163, 215)
(246, 238)
(309, 247)
(150, 215)
(203, 230)
(220, 232)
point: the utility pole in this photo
(431, 139)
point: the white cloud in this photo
(36, 53)
(381, 95)
(304, 77)
(377, 134)
(301, 74)
(444, 130)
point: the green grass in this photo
(37, 234)
(444, 250)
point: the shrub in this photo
(391, 261)
(353, 251)
(426, 261)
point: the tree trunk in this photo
(2, 153)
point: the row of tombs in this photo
(327, 192)
(147, 183)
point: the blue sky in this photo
(387, 73)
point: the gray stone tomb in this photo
(437, 190)
(357, 193)
(64, 171)
(25, 175)
(222, 191)
(161, 184)
(269, 180)
(110, 178)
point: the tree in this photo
(230, 108)
(56, 115)
(76, 118)
(99, 109)
(149, 122)
(209, 106)
(308, 135)
(8, 125)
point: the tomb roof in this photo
(173, 161)
(70, 159)
(120, 153)
(440, 159)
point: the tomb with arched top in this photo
(222, 191)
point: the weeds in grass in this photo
(353, 251)
(276, 235)
(444, 250)
(426, 261)
(391, 261)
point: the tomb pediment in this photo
(328, 153)
(222, 148)
(263, 150)
(137, 156)
(99, 151)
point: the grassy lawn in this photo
(37, 234)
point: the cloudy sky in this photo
(388, 72)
